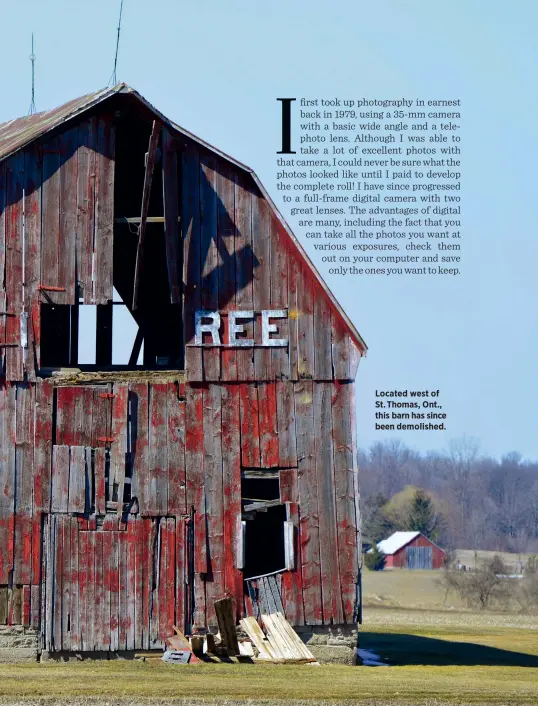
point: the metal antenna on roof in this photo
(113, 79)
(32, 110)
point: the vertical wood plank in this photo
(65, 529)
(214, 499)
(231, 471)
(158, 451)
(181, 585)
(155, 554)
(32, 256)
(100, 481)
(58, 584)
(114, 591)
(104, 211)
(250, 432)
(245, 264)
(171, 214)
(60, 479)
(268, 429)
(7, 479)
(78, 480)
(176, 451)
(293, 316)
(66, 404)
(50, 243)
(342, 414)
(169, 606)
(89, 537)
(194, 463)
(68, 144)
(75, 638)
(279, 293)
(84, 608)
(287, 442)
(24, 476)
(140, 560)
(323, 364)
(14, 264)
(308, 503)
(100, 409)
(190, 226)
(118, 448)
(261, 244)
(330, 578)
(130, 540)
(86, 183)
(43, 448)
(292, 588)
(139, 444)
(305, 323)
(225, 240)
(107, 588)
(209, 256)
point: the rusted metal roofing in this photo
(19, 132)
(16, 134)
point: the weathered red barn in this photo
(411, 550)
(219, 457)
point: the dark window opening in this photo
(264, 516)
(264, 542)
(160, 322)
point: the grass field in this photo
(437, 656)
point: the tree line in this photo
(469, 500)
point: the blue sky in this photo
(217, 66)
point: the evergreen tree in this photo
(375, 559)
(422, 515)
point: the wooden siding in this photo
(94, 572)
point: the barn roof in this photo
(396, 541)
(20, 132)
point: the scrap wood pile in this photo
(279, 644)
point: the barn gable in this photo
(87, 194)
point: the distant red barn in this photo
(411, 550)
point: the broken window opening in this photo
(89, 336)
(160, 322)
(265, 517)
(116, 335)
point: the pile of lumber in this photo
(280, 643)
